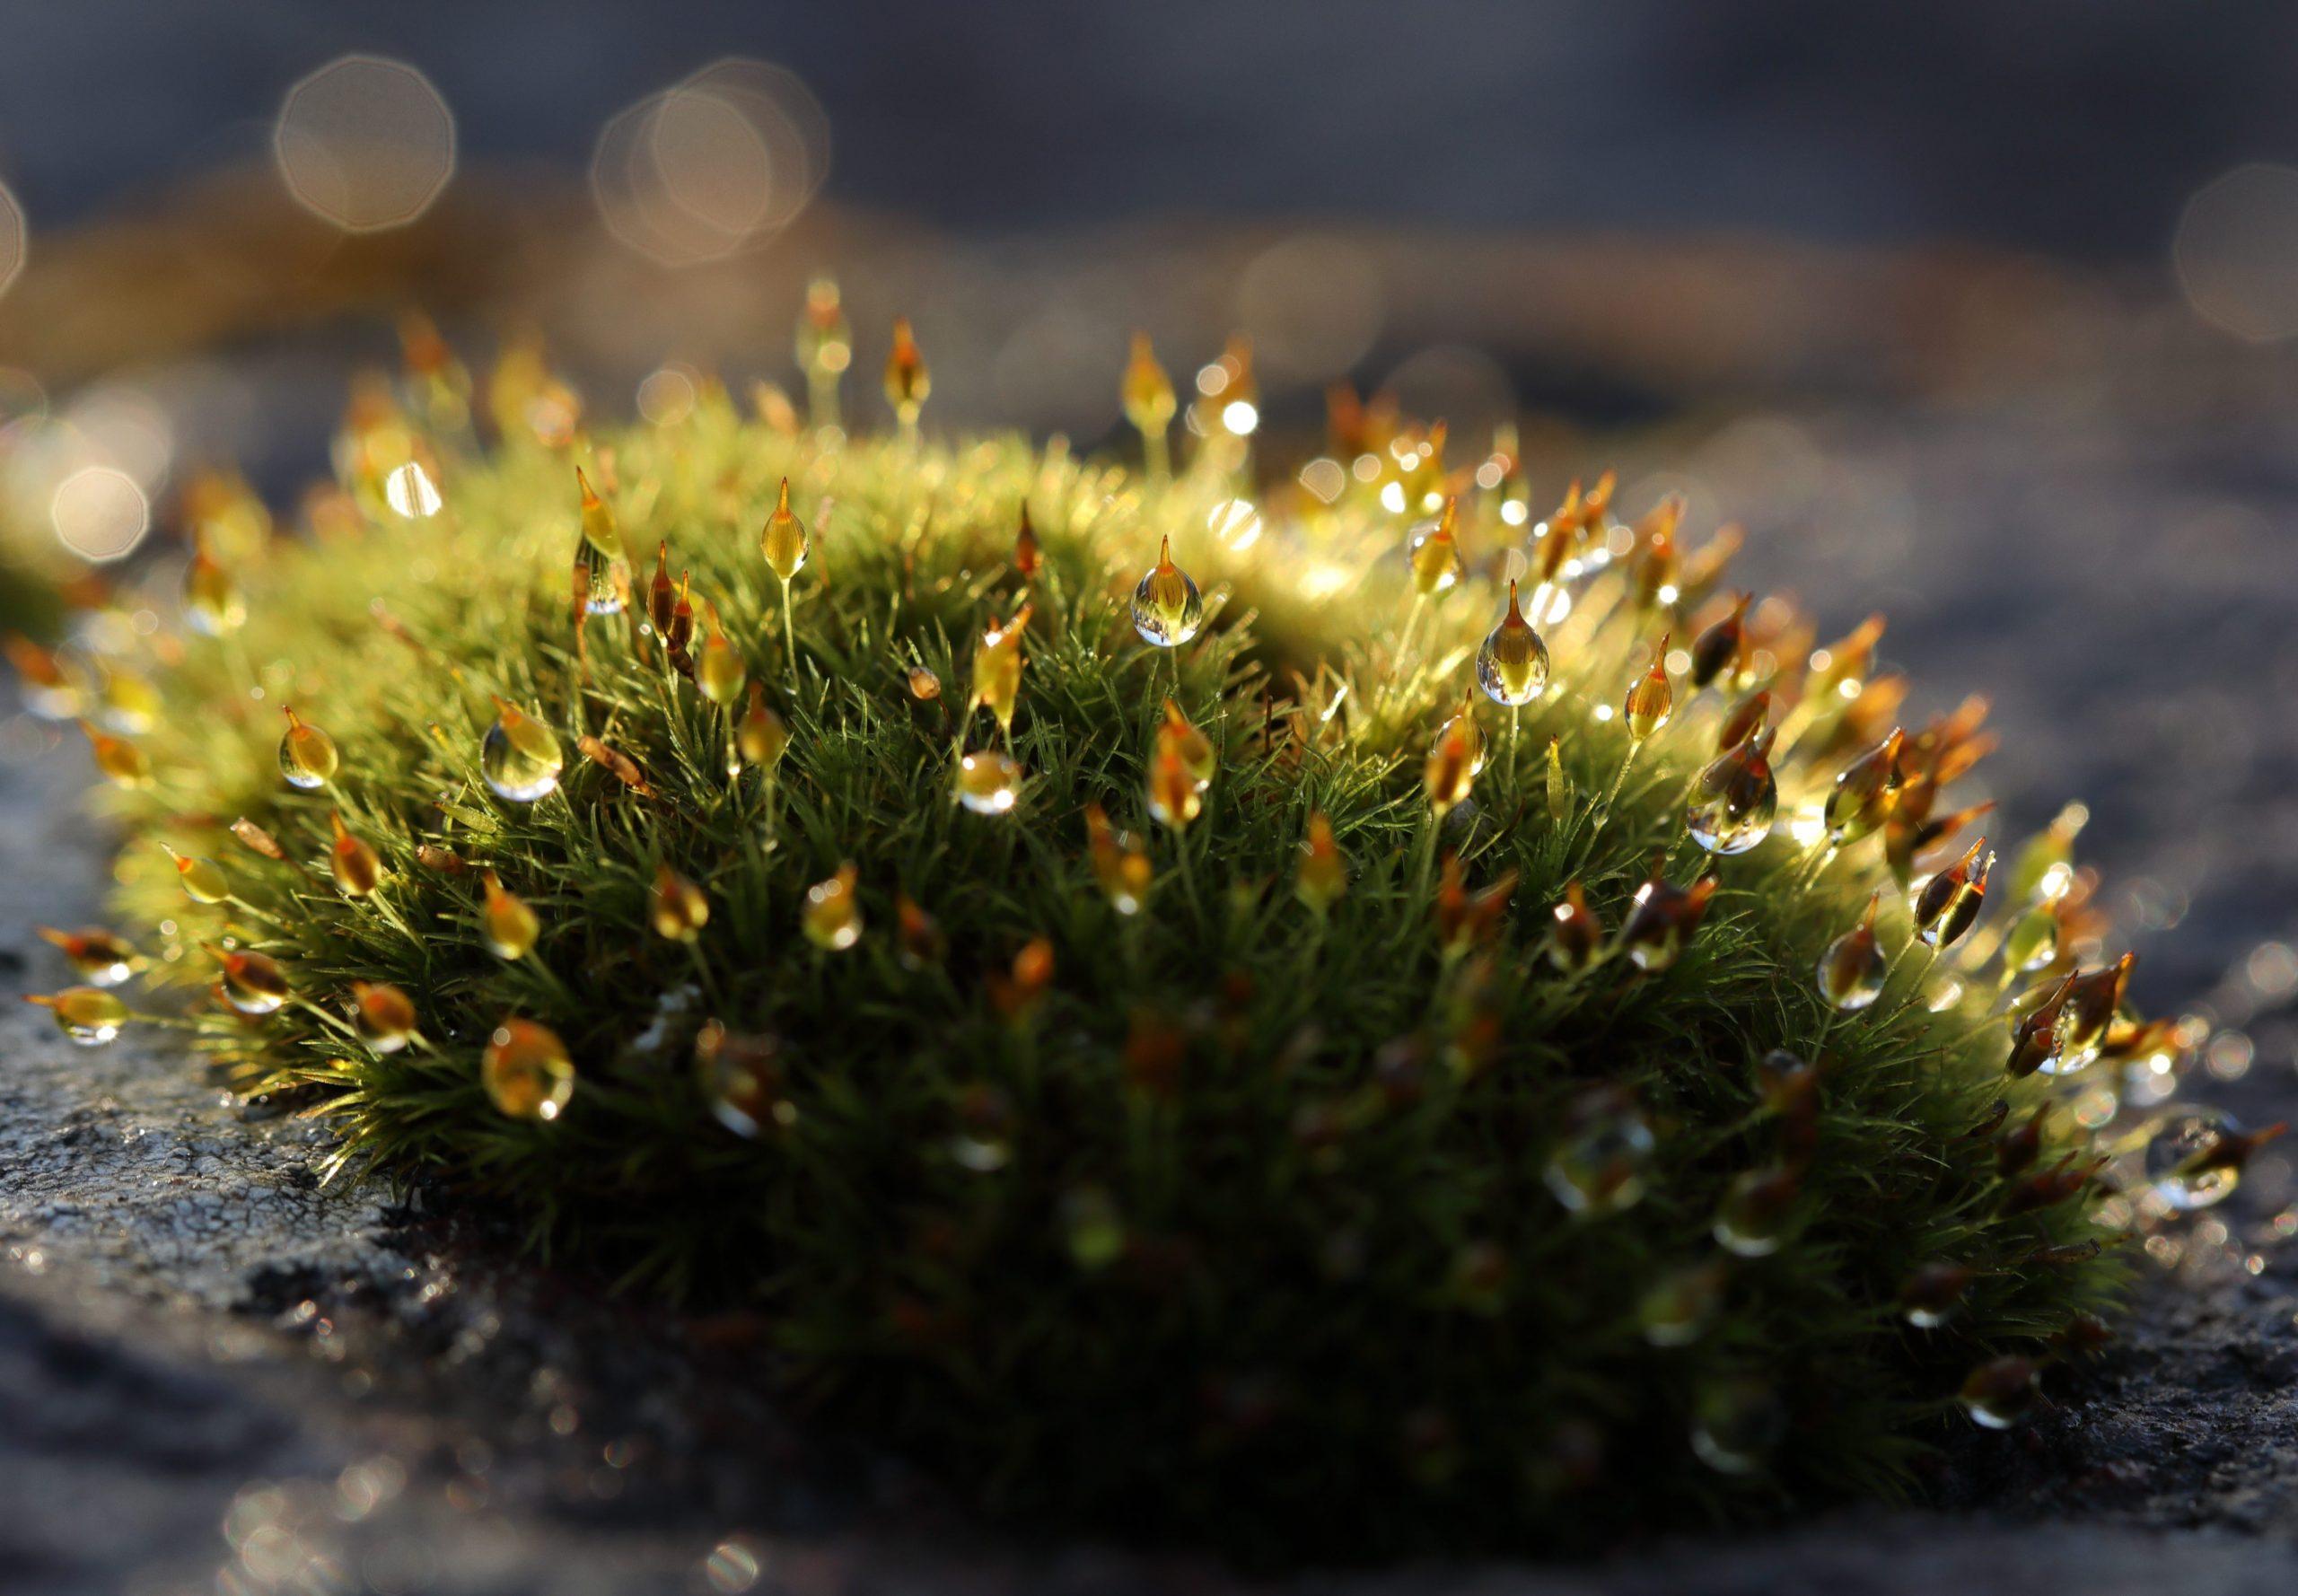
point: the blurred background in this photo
(1977, 314)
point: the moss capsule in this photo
(526, 1071)
(506, 923)
(1167, 608)
(88, 1015)
(520, 757)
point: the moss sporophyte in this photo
(1173, 1077)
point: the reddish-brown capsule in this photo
(1946, 905)
(1715, 653)
(1026, 556)
(1466, 918)
(1663, 920)
(1576, 941)
(1651, 701)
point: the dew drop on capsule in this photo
(1752, 1220)
(2195, 1156)
(786, 542)
(1736, 1424)
(1735, 799)
(520, 757)
(1999, 1393)
(1599, 1168)
(253, 983)
(1174, 797)
(1678, 1308)
(526, 1071)
(212, 601)
(601, 554)
(1513, 665)
(832, 916)
(384, 1014)
(203, 880)
(1167, 608)
(88, 1015)
(1931, 1296)
(740, 1078)
(988, 782)
(1851, 971)
(117, 760)
(96, 956)
(506, 923)
(307, 756)
(676, 907)
(1433, 554)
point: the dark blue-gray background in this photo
(2068, 125)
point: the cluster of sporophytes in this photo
(1335, 1021)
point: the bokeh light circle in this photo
(100, 513)
(365, 143)
(711, 166)
(2236, 252)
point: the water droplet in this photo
(1449, 773)
(740, 1077)
(1864, 793)
(1934, 1293)
(1599, 1168)
(1174, 797)
(1999, 1393)
(1322, 874)
(212, 601)
(677, 907)
(1716, 651)
(96, 956)
(253, 983)
(997, 668)
(1189, 744)
(2086, 1013)
(1167, 608)
(385, 1015)
(1678, 1309)
(1512, 667)
(1662, 921)
(1433, 553)
(202, 882)
(526, 1070)
(832, 916)
(520, 757)
(1735, 799)
(786, 542)
(353, 865)
(1736, 1424)
(1651, 701)
(1093, 1227)
(2195, 1156)
(1851, 971)
(1577, 939)
(90, 1016)
(307, 756)
(1120, 863)
(1947, 904)
(601, 554)
(508, 925)
(989, 783)
(761, 736)
(1752, 1221)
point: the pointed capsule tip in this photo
(782, 500)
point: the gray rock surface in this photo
(218, 1374)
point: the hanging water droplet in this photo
(1999, 1394)
(119, 761)
(1121, 866)
(832, 917)
(740, 1077)
(385, 1015)
(1863, 794)
(1513, 665)
(253, 983)
(520, 757)
(1948, 904)
(526, 1070)
(1449, 774)
(1599, 1168)
(2195, 1156)
(1735, 799)
(1851, 971)
(307, 756)
(1663, 920)
(202, 882)
(1753, 1218)
(1651, 702)
(989, 783)
(786, 542)
(45, 686)
(1680, 1307)
(1736, 1426)
(1167, 608)
(2085, 1015)
(353, 865)
(1716, 651)
(720, 671)
(1189, 744)
(96, 956)
(2032, 942)
(997, 668)
(1174, 797)
(1434, 554)
(601, 555)
(1577, 939)
(1322, 874)
(1932, 1294)
(506, 923)
(88, 1015)
(677, 907)
(212, 601)
(761, 736)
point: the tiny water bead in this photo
(507, 924)
(97, 955)
(1434, 554)
(1601, 1165)
(1167, 608)
(1948, 905)
(1931, 1296)
(1851, 971)
(203, 880)
(2000, 1392)
(212, 601)
(356, 869)
(253, 983)
(1758, 1206)
(1513, 665)
(2085, 1015)
(832, 916)
(676, 908)
(1735, 799)
(384, 1014)
(1651, 701)
(989, 783)
(1863, 794)
(1737, 1425)
(526, 1071)
(307, 756)
(2195, 1156)
(601, 559)
(786, 542)
(88, 1015)
(520, 757)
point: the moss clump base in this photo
(1225, 1219)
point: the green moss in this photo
(1242, 1230)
